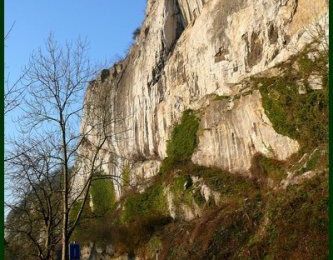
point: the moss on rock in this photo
(183, 141)
(303, 117)
(103, 196)
(151, 202)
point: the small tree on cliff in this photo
(55, 80)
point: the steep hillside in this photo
(218, 134)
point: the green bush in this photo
(126, 176)
(183, 141)
(80, 232)
(181, 194)
(151, 202)
(103, 196)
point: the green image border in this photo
(330, 206)
(2, 76)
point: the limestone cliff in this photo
(187, 51)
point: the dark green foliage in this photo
(183, 141)
(74, 211)
(237, 229)
(308, 66)
(167, 165)
(302, 117)
(236, 226)
(219, 234)
(109, 229)
(183, 138)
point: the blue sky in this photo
(108, 26)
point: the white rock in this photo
(301, 87)
(315, 82)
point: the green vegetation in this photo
(154, 245)
(126, 176)
(93, 223)
(217, 97)
(183, 141)
(103, 196)
(298, 222)
(313, 161)
(181, 188)
(219, 233)
(199, 198)
(263, 168)
(316, 65)
(150, 203)
(80, 232)
(301, 117)
(225, 183)
(288, 224)
(236, 226)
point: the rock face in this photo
(234, 133)
(187, 52)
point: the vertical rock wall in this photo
(187, 51)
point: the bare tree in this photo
(12, 95)
(9, 31)
(34, 219)
(13, 92)
(55, 80)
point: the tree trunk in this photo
(64, 250)
(48, 239)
